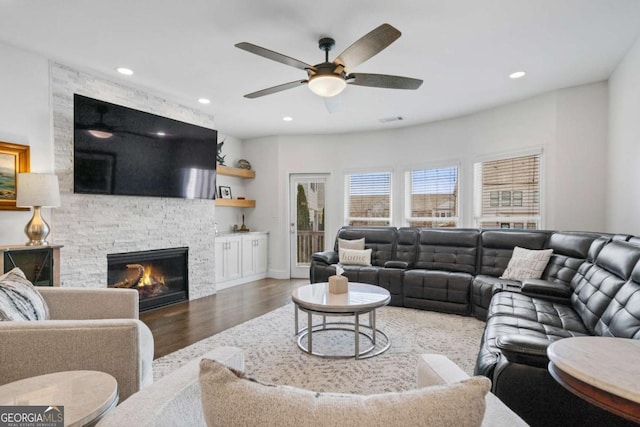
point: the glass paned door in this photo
(307, 210)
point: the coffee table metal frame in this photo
(371, 331)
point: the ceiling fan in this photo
(102, 130)
(328, 79)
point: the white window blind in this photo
(515, 182)
(368, 198)
(432, 199)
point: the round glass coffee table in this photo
(315, 299)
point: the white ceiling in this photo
(462, 49)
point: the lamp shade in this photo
(326, 85)
(37, 189)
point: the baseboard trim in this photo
(278, 274)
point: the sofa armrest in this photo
(328, 257)
(436, 369)
(90, 303)
(122, 348)
(398, 264)
(545, 288)
(524, 349)
(174, 399)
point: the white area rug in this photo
(272, 354)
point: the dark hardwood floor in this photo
(179, 325)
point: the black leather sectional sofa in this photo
(591, 286)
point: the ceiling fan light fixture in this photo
(125, 71)
(100, 134)
(326, 85)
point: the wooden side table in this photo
(601, 370)
(41, 264)
(86, 395)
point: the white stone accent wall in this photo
(92, 226)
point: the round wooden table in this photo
(86, 395)
(604, 371)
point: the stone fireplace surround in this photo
(92, 226)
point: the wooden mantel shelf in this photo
(236, 203)
(237, 172)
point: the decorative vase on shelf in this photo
(243, 164)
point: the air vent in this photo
(391, 119)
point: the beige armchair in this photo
(92, 329)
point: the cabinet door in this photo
(221, 244)
(233, 256)
(248, 263)
(254, 254)
(228, 258)
(260, 254)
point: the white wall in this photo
(24, 119)
(569, 125)
(623, 186)
(233, 151)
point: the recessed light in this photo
(517, 74)
(125, 71)
(287, 119)
(204, 101)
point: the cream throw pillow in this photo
(355, 257)
(229, 399)
(357, 244)
(19, 299)
(526, 264)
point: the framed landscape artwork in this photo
(14, 158)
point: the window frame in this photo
(347, 196)
(407, 218)
(537, 195)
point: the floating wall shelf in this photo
(237, 172)
(235, 203)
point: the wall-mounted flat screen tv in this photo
(122, 151)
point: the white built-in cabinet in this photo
(228, 258)
(240, 258)
(254, 255)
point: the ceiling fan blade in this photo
(384, 81)
(274, 56)
(275, 89)
(368, 46)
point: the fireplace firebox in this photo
(160, 276)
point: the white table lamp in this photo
(37, 190)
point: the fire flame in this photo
(148, 279)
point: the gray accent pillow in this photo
(19, 299)
(230, 399)
(526, 264)
(351, 244)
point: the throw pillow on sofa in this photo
(19, 299)
(526, 264)
(230, 399)
(355, 257)
(357, 244)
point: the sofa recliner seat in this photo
(605, 301)
(440, 279)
